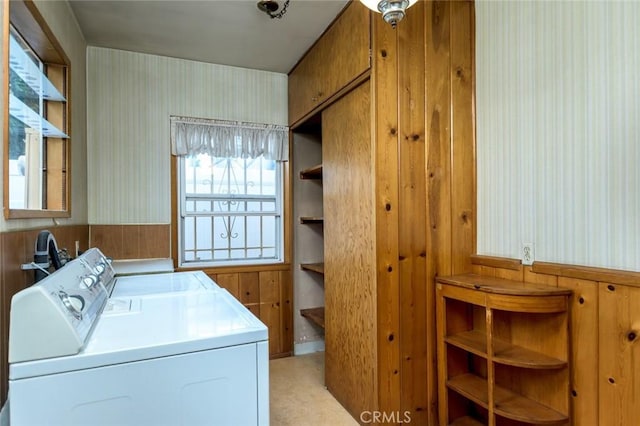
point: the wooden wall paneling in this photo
(462, 134)
(584, 346)
(108, 238)
(509, 274)
(412, 209)
(270, 308)
(349, 262)
(286, 311)
(385, 134)
(132, 241)
(249, 287)
(230, 282)
(154, 241)
(532, 277)
(619, 352)
(438, 168)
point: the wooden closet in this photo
(397, 131)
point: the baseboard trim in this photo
(308, 347)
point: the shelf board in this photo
(315, 315)
(314, 267)
(311, 219)
(314, 172)
(503, 352)
(507, 403)
(466, 421)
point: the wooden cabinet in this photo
(503, 349)
(338, 57)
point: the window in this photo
(36, 128)
(230, 210)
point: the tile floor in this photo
(298, 396)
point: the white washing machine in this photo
(178, 358)
(137, 284)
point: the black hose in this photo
(46, 250)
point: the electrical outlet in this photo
(77, 248)
(527, 254)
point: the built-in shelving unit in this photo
(499, 343)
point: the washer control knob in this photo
(99, 269)
(89, 280)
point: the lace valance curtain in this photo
(220, 138)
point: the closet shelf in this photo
(311, 219)
(314, 267)
(314, 172)
(315, 315)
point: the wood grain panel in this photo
(412, 207)
(463, 136)
(270, 316)
(230, 282)
(385, 122)
(132, 241)
(619, 352)
(249, 287)
(348, 200)
(584, 344)
(614, 276)
(108, 238)
(338, 57)
(286, 310)
(438, 167)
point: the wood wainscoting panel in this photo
(267, 294)
(146, 241)
(619, 353)
(584, 345)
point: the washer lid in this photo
(156, 326)
(138, 285)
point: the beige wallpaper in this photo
(558, 116)
(130, 98)
(64, 26)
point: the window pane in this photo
(230, 197)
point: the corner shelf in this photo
(315, 315)
(313, 267)
(499, 341)
(314, 172)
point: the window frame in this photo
(24, 16)
(179, 192)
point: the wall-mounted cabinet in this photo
(503, 350)
(339, 56)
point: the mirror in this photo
(36, 151)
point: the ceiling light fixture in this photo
(392, 10)
(270, 7)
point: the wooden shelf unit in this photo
(314, 172)
(315, 315)
(313, 267)
(502, 346)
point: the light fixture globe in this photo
(392, 10)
